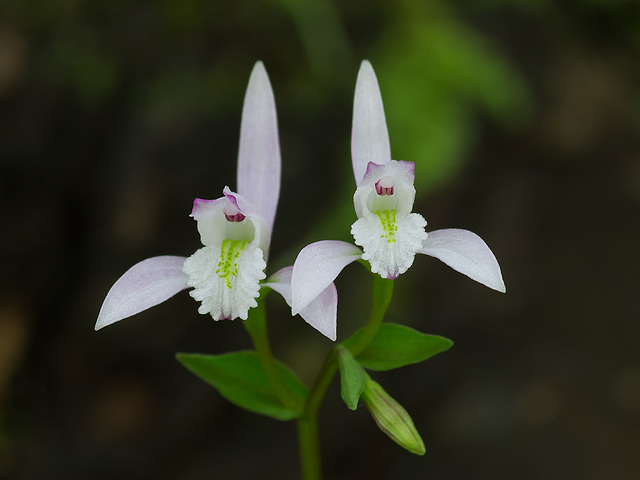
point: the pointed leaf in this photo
(369, 135)
(321, 313)
(259, 154)
(395, 346)
(316, 266)
(352, 377)
(465, 252)
(146, 284)
(240, 378)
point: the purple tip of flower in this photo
(198, 205)
(385, 185)
(203, 207)
(394, 170)
(233, 200)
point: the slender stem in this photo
(309, 447)
(308, 422)
(256, 325)
(381, 298)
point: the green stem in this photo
(309, 447)
(256, 326)
(308, 422)
(381, 298)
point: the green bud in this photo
(391, 417)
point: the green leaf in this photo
(240, 378)
(392, 418)
(395, 346)
(352, 377)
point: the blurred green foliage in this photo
(115, 113)
(176, 60)
(444, 78)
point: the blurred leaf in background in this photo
(438, 78)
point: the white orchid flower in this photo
(388, 232)
(235, 231)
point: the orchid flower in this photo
(388, 232)
(235, 231)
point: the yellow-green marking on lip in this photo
(388, 223)
(228, 264)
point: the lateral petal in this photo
(321, 313)
(146, 284)
(467, 253)
(317, 265)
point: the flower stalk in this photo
(308, 423)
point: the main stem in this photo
(308, 422)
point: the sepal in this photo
(146, 284)
(317, 265)
(467, 253)
(321, 313)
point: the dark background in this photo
(522, 118)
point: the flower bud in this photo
(391, 417)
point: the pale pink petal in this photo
(321, 313)
(467, 253)
(369, 135)
(317, 265)
(146, 284)
(259, 154)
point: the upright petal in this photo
(467, 253)
(321, 313)
(146, 284)
(317, 265)
(369, 135)
(259, 154)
